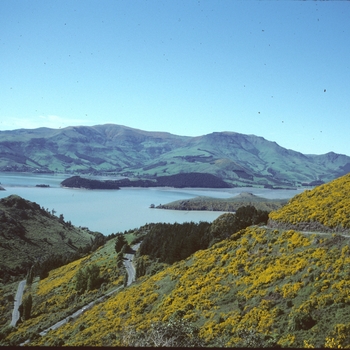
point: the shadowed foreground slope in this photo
(29, 233)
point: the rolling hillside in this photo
(259, 287)
(29, 233)
(113, 149)
(324, 208)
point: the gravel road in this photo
(130, 269)
(18, 301)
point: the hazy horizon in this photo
(275, 69)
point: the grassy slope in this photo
(55, 297)
(327, 205)
(28, 232)
(282, 284)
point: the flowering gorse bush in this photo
(327, 204)
(238, 286)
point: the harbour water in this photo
(111, 211)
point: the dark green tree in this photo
(93, 277)
(125, 281)
(61, 219)
(125, 248)
(80, 282)
(98, 241)
(88, 279)
(119, 260)
(120, 242)
(30, 275)
(27, 307)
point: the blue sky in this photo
(276, 69)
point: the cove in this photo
(111, 211)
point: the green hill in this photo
(325, 208)
(225, 204)
(29, 233)
(114, 149)
(261, 286)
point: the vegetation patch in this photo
(65, 290)
(30, 234)
(225, 204)
(324, 208)
(168, 243)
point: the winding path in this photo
(130, 269)
(18, 301)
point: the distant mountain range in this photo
(243, 160)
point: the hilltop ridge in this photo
(114, 149)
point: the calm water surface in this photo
(110, 211)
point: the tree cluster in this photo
(121, 247)
(88, 279)
(120, 243)
(227, 224)
(174, 242)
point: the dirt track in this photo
(18, 301)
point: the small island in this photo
(42, 185)
(228, 204)
(80, 182)
(192, 180)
